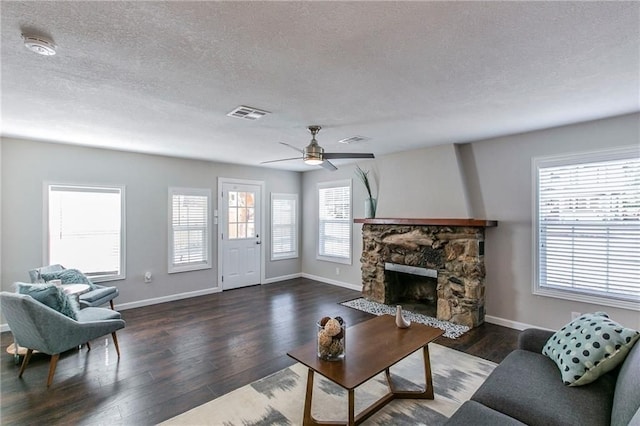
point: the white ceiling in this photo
(159, 77)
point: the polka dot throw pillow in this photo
(588, 347)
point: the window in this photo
(241, 215)
(334, 221)
(85, 229)
(189, 241)
(587, 227)
(284, 226)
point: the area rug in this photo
(278, 399)
(451, 330)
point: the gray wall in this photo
(500, 181)
(420, 183)
(27, 164)
(486, 179)
(489, 179)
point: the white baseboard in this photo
(511, 324)
(163, 299)
(281, 278)
(350, 286)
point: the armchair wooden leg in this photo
(111, 303)
(115, 342)
(52, 368)
(25, 361)
(88, 346)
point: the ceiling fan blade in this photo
(284, 159)
(291, 146)
(338, 155)
(326, 164)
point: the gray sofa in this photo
(526, 388)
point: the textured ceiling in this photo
(159, 77)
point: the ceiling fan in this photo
(314, 155)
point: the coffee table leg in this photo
(308, 420)
(427, 393)
(427, 373)
(352, 416)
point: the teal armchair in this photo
(91, 299)
(36, 326)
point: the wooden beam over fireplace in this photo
(429, 222)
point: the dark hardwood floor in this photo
(178, 355)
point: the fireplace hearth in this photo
(428, 265)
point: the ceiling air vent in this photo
(354, 139)
(247, 113)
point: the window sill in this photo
(291, 256)
(97, 280)
(340, 260)
(587, 298)
(176, 270)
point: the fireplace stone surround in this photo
(449, 250)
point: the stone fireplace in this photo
(438, 263)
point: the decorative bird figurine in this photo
(400, 321)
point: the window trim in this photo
(171, 268)
(571, 294)
(295, 253)
(123, 228)
(335, 184)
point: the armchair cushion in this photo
(97, 314)
(68, 276)
(97, 293)
(52, 296)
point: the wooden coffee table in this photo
(371, 348)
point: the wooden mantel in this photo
(429, 222)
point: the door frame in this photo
(218, 213)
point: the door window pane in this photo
(241, 214)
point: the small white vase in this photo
(370, 208)
(400, 321)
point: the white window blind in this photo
(189, 241)
(334, 221)
(85, 229)
(284, 226)
(588, 225)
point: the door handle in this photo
(258, 242)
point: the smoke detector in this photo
(40, 45)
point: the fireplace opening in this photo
(412, 287)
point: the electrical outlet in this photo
(147, 277)
(575, 315)
(337, 271)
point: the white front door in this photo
(240, 234)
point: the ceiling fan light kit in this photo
(314, 155)
(312, 161)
